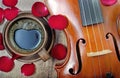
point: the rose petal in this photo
(1, 42)
(28, 69)
(59, 22)
(108, 2)
(10, 3)
(1, 15)
(6, 64)
(59, 51)
(39, 9)
(11, 13)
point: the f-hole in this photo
(71, 70)
(115, 43)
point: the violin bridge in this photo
(99, 53)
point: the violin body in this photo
(93, 47)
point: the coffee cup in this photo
(28, 36)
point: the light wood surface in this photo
(43, 69)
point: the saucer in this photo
(27, 36)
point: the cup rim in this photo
(7, 42)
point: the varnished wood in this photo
(95, 37)
(118, 25)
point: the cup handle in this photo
(44, 55)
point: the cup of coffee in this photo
(28, 36)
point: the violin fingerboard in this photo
(90, 12)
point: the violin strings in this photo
(98, 27)
(88, 37)
(107, 44)
(94, 34)
(103, 47)
(103, 29)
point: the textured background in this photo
(43, 69)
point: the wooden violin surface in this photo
(92, 38)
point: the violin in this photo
(93, 38)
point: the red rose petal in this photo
(1, 15)
(59, 22)
(2, 47)
(6, 64)
(11, 13)
(108, 2)
(39, 9)
(10, 3)
(28, 69)
(1, 42)
(59, 51)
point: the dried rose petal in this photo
(108, 2)
(1, 42)
(1, 15)
(6, 64)
(39, 9)
(28, 69)
(59, 51)
(2, 47)
(11, 13)
(10, 3)
(59, 22)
